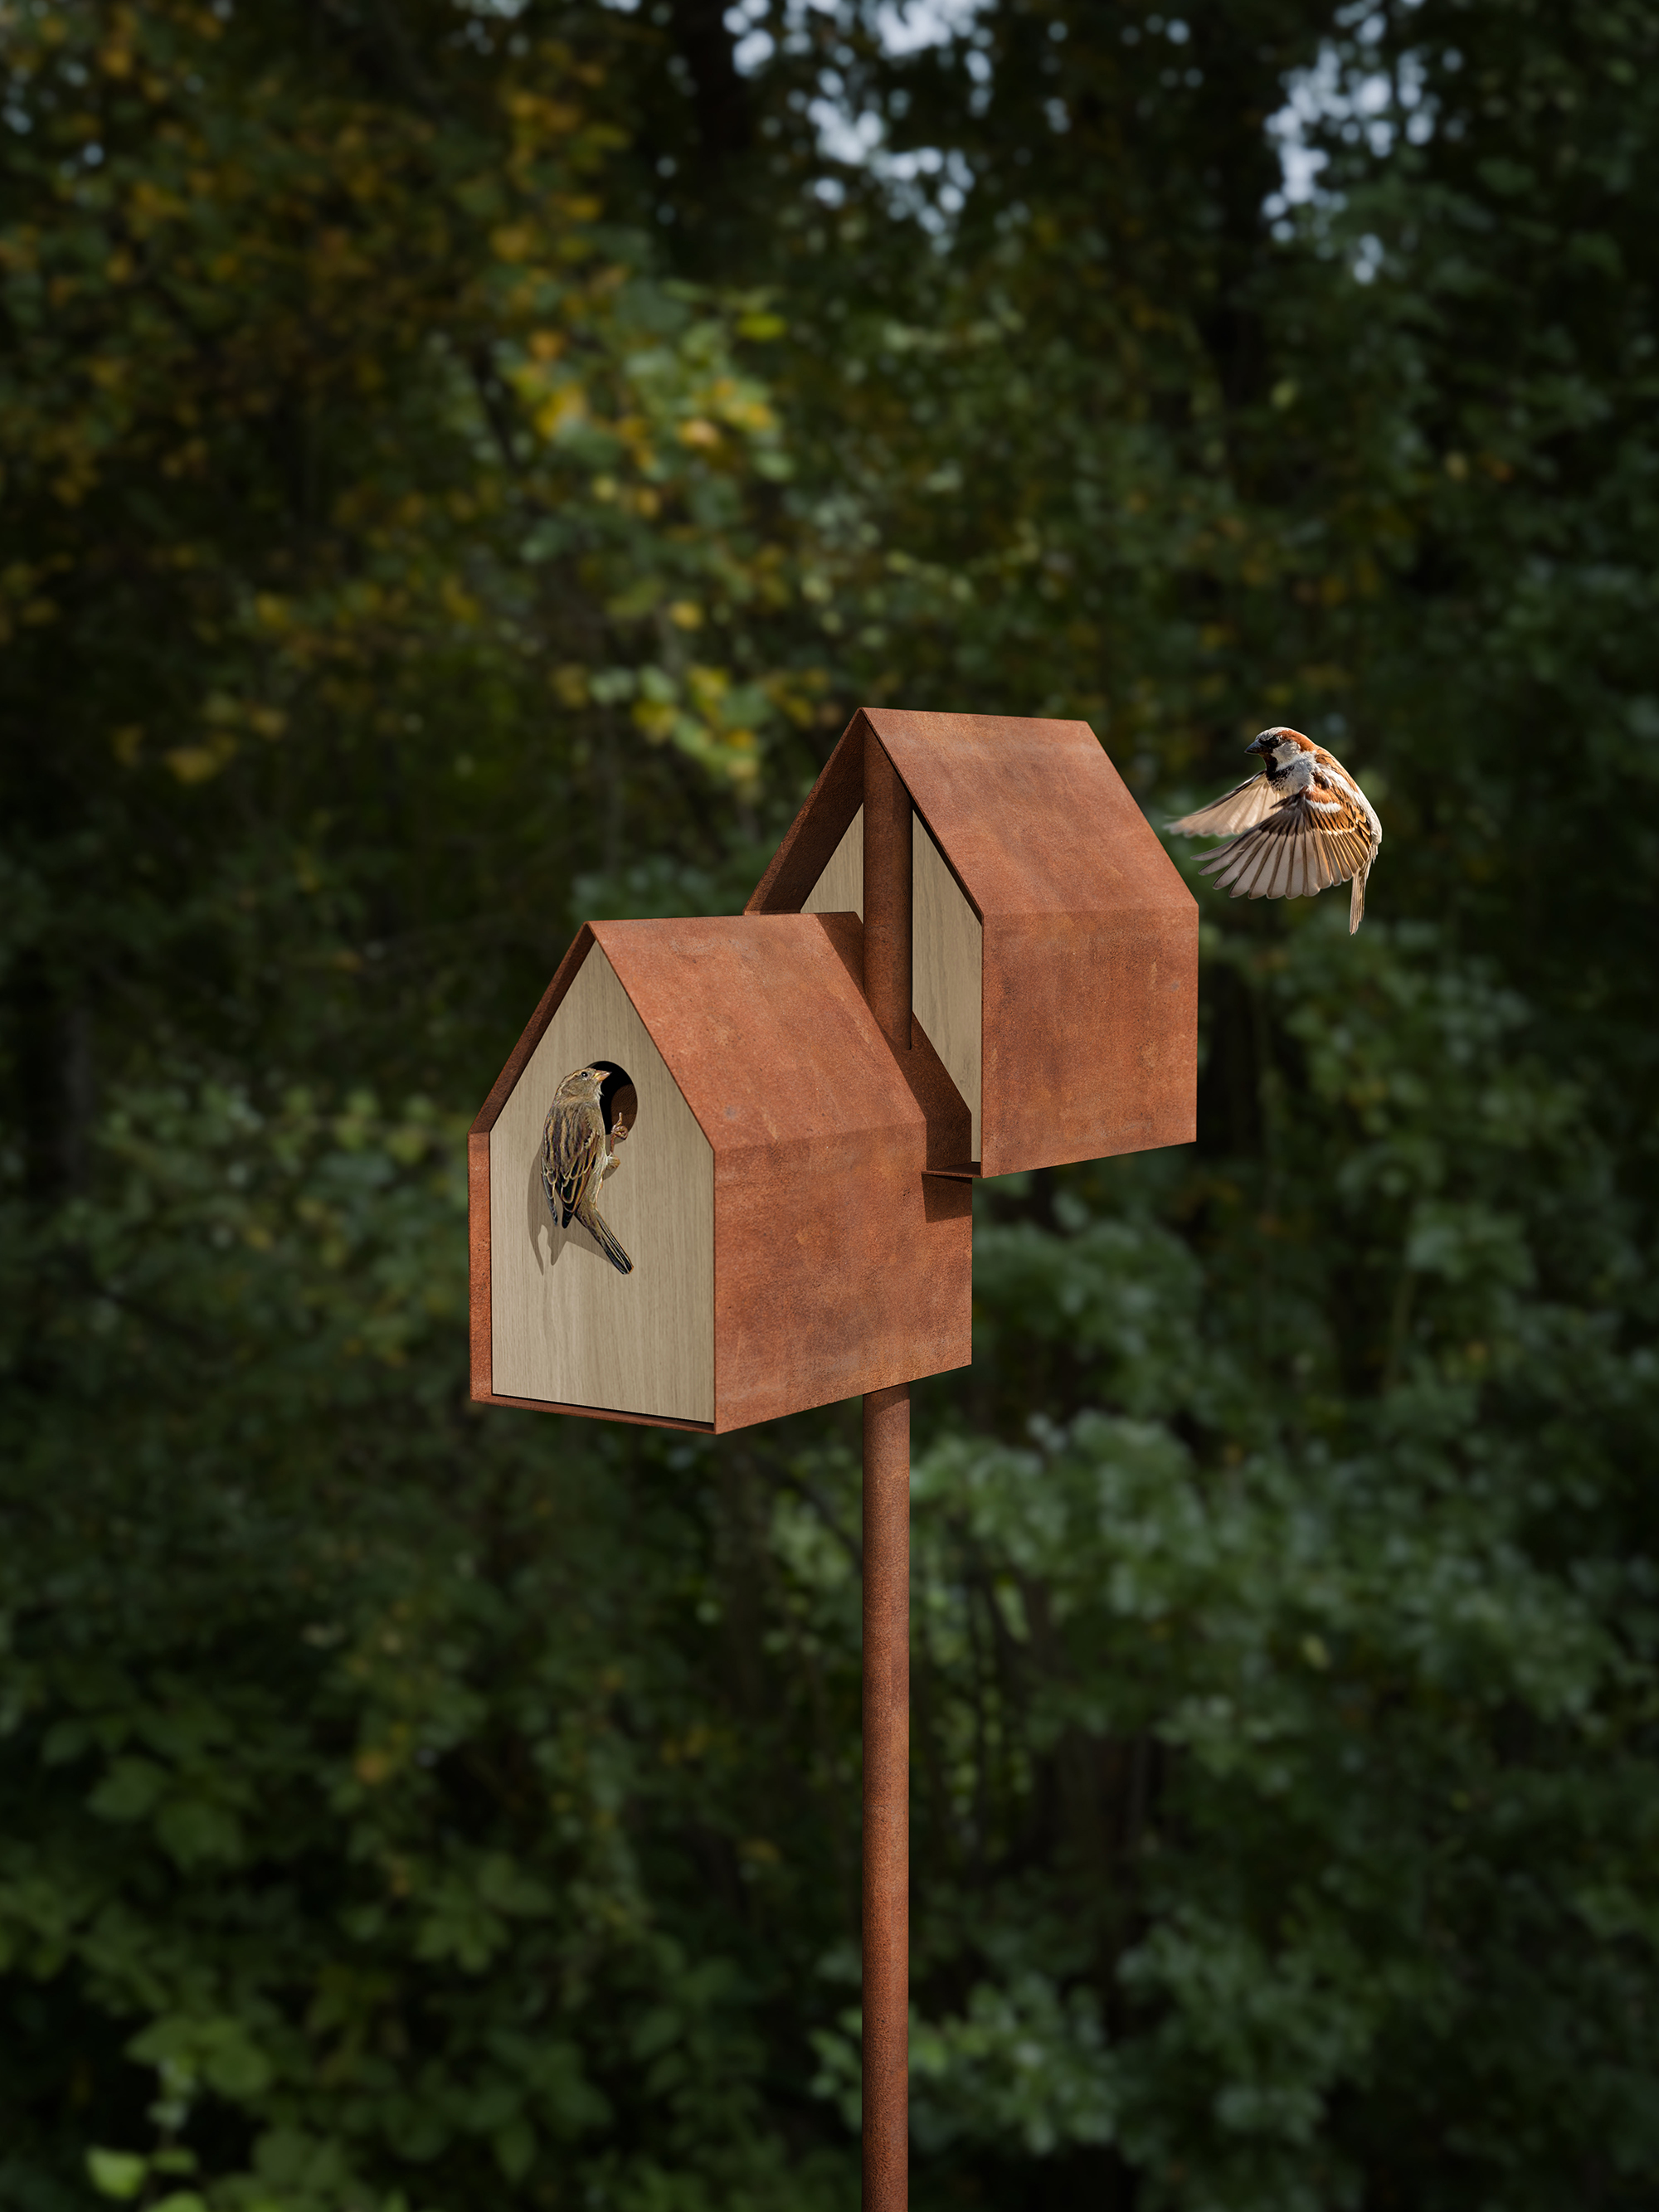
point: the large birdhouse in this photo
(771, 1234)
(1054, 946)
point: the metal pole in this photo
(887, 855)
(887, 1798)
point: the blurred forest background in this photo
(462, 464)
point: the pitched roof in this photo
(1030, 816)
(763, 1025)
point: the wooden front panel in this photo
(566, 1328)
(841, 1265)
(947, 948)
(839, 889)
(947, 962)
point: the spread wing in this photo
(1316, 837)
(1239, 810)
(572, 1155)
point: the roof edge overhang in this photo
(825, 816)
(829, 810)
(535, 1030)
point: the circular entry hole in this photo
(619, 1101)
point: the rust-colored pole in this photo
(887, 849)
(887, 1798)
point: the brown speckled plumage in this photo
(577, 1155)
(1292, 832)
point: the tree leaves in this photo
(409, 550)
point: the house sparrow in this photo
(1303, 826)
(577, 1155)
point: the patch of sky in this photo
(928, 184)
(1351, 90)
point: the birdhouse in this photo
(1054, 946)
(771, 1190)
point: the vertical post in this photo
(887, 910)
(886, 1799)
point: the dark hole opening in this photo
(619, 1101)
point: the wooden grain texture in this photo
(598, 1413)
(948, 952)
(839, 889)
(501, 1090)
(565, 1327)
(947, 949)
(816, 831)
(840, 1264)
(1030, 812)
(889, 897)
(1089, 961)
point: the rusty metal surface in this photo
(1089, 983)
(1090, 1006)
(1030, 813)
(478, 1172)
(887, 1798)
(535, 1030)
(1091, 1038)
(943, 1108)
(816, 830)
(480, 1344)
(887, 895)
(598, 1413)
(888, 911)
(840, 1266)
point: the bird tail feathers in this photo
(1356, 900)
(600, 1233)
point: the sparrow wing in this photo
(1238, 810)
(572, 1155)
(1316, 837)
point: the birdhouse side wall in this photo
(947, 962)
(839, 889)
(839, 1267)
(947, 951)
(1091, 1035)
(566, 1328)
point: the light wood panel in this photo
(565, 1326)
(947, 952)
(839, 889)
(947, 962)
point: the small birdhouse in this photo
(1054, 946)
(768, 1185)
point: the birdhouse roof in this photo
(762, 1022)
(1031, 817)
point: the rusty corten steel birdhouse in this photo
(790, 1245)
(1054, 964)
(772, 1121)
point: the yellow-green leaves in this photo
(348, 396)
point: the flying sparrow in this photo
(1303, 826)
(578, 1153)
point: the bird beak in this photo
(1257, 745)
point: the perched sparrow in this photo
(1303, 826)
(576, 1157)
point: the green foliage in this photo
(461, 467)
